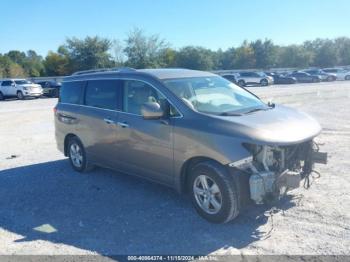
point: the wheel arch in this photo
(66, 140)
(186, 167)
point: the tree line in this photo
(140, 50)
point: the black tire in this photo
(315, 80)
(347, 77)
(229, 195)
(55, 93)
(241, 83)
(20, 95)
(264, 82)
(85, 165)
(1, 96)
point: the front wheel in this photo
(20, 95)
(1, 96)
(264, 82)
(241, 83)
(55, 93)
(331, 78)
(347, 77)
(213, 192)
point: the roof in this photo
(162, 73)
(169, 73)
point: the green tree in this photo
(265, 53)
(324, 52)
(56, 64)
(17, 56)
(342, 45)
(8, 68)
(226, 59)
(144, 51)
(244, 57)
(167, 57)
(192, 57)
(293, 56)
(88, 53)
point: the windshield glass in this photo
(214, 95)
(22, 82)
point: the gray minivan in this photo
(191, 130)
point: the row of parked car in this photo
(302, 76)
(22, 88)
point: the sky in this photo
(44, 25)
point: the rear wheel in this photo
(77, 155)
(20, 95)
(347, 77)
(213, 192)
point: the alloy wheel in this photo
(207, 194)
(76, 155)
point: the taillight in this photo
(54, 110)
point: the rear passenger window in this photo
(71, 92)
(102, 94)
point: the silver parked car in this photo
(193, 131)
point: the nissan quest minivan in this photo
(191, 130)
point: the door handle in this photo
(66, 116)
(108, 121)
(123, 124)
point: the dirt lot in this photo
(46, 208)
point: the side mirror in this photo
(13, 84)
(151, 110)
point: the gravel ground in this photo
(46, 208)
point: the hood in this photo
(30, 85)
(280, 126)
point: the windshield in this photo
(22, 82)
(214, 95)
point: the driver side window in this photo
(136, 93)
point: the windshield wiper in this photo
(257, 109)
(230, 114)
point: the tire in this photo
(330, 78)
(20, 95)
(77, 155)
(55, 93)
(315, 80)
(241, 83)
(264, 82)
(1, 96)
(347, 77)
(218, 201)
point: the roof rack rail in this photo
(115, 69)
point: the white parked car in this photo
(20, 88)
(253, 78)
(341, 74)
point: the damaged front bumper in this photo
(273, 171)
